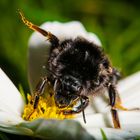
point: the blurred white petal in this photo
(9, 119)
(39, 46)
(128, 119)
(11, 102)
(9, 95)
(129, 89)
(68, 30)
(113, 134)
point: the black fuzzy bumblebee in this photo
(77, 68)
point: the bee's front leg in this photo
(39, 90)
(84, 103)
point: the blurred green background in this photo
(116, 22)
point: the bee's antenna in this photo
(83, 112)
(52, 38)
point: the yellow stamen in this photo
(46, 108)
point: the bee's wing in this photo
(39, 47)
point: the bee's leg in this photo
(80, 108)
(84, 103)
(116, 100)
(52, 38)
(118, 103)
(39, 90)
(114, 113)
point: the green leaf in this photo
(103, 134)
(22, 93)
(137, 138)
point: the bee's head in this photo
(67, 90)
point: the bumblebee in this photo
(77, 68)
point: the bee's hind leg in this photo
(112, 99)
(115, 100)
(118, 103)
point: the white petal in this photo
(11, 101)
(129, 90)
(68, 30)
(129, 120)
(39, 46)
(130, 124)
(9, 119)
(113, 134)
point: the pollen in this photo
(46, 108)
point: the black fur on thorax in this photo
(81, 59)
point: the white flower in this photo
(97, 114)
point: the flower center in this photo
(46, 108)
